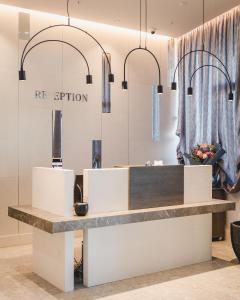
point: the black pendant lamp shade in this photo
(173, 86)
(89, 79)
(124, 85)
(223, 68)
(230, 95)
(22, 74)
(111, 78)
(190, 91)
(160, 89)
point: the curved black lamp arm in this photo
(58, 41)
(205, 51)
(212, 66)
(64, 25)
(144, 49)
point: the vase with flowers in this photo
(208, 154)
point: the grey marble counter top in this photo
(52, 223)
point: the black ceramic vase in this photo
(235, 238)
(81, 208)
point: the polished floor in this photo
(215, 280)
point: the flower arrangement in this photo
(206, 154)
(203, 152)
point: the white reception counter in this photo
(118, 243)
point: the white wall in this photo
(8, 121)
(25, 123)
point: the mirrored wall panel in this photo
(57, 138)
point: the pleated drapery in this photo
(208, 116)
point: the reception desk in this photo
(119, 241)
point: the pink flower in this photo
(200, 154)
(210, 154)
(205, 156)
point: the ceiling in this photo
(172, 17)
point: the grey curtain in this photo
(207, 116)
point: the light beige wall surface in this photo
(8, 121)
(25, 123)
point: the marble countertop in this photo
(52, 223)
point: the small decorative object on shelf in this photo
(81, 208)
(235, 238)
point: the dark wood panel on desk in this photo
(156, 186)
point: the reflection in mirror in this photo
(106, 91)
(155, 115)
(24, 26)
(56, 138)
(96, 154)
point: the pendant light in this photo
(22, 73)
(224, 69)
(124, 82)
(190, 89)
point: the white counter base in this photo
(53, 258)
(53, 255)
(131, 250)
(125, 251)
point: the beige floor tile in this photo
(218, 279)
